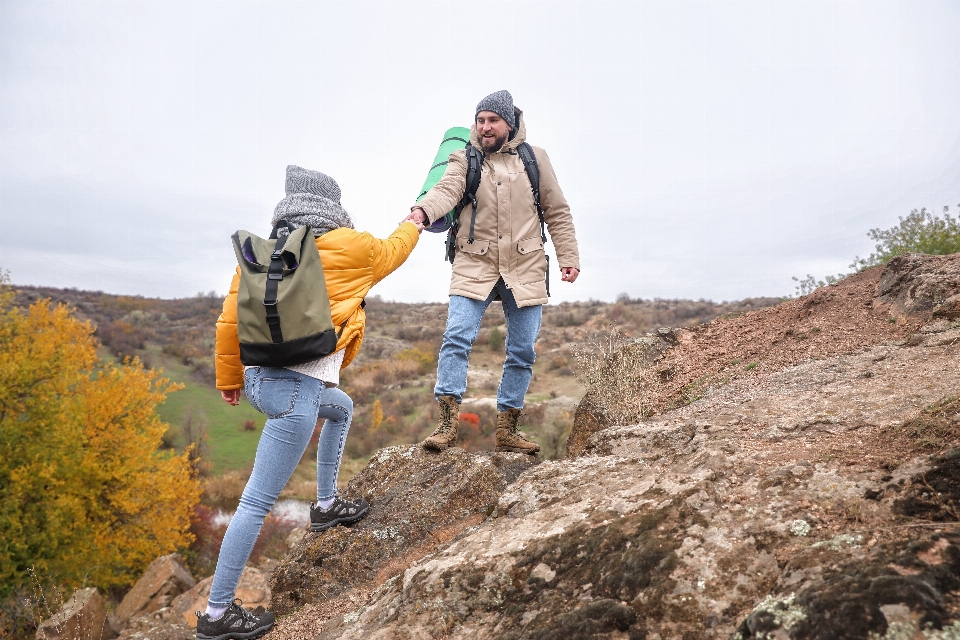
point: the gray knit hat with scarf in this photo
(313, 199)
(501, 103)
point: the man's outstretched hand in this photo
(231, 397)
(569, 274)
(417, 217)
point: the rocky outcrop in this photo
(164, 579)
(873, 307)
(813, 497)
(419, 499)
(588, 419)
(82, 617)
(922, 285)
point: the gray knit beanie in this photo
(501, 103)
(313, 199)
(300, 180)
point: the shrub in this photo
(476, 429)
(272, 542)
(224, 491)
(202, 554)
(424, 359)
(918, 232)
(615, 369)
(495, 341)
(87, 493)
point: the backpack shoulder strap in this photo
(525, 151)
(474, 172)
(529, 159)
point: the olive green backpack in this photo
(283, 311)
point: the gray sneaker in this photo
(340, 512)
(236, 623)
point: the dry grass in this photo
(618, 374)
(937, 426)
(225, 491)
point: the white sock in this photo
(215, 612)
(327, 503)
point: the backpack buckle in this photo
(275, 276)
(276, 255)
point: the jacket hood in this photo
(509, 145)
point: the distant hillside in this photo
(396, 368)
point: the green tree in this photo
(86, 495)
(495, 341)
(919, 232)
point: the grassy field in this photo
(230, 446)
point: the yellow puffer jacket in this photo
(353, 262)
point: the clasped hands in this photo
(419, 218)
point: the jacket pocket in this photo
(531, 263)
(478, 247)
(276, 396)
(473, 260)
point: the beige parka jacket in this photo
(507, 240)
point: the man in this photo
(502, 257)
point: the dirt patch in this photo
(882, 305)
(841, 318)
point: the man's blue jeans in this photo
(292, 403)
(463, 324)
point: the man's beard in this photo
(495, 145)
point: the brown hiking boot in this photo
(445, 435)
(509, 437)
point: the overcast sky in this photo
(708, 149)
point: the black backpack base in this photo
(289, 352)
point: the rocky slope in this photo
(815, 494)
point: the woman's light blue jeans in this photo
(463, 324)
(292, 403)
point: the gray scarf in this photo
(310, 202)
(321, 214)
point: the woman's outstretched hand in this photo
(231, 397)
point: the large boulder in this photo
(588, 419)
(164, 579)
(419, 499)
(82, 617)
(796, 504)
(253, 590)
(922, 285)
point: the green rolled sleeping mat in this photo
(454, 139)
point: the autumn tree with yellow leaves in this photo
(86, 494)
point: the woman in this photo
(293, 398)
